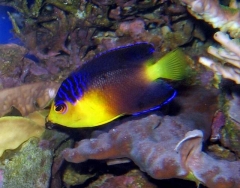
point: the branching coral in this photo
(230, 53)
(165, 147)
(226, 129)
(47, 41)
(74, 31)
(22, 6)
(227, 19)
(27, 98)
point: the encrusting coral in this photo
(27, 98)
(62, 35)
(165, 147)
(20, 152)
(66, 34)
(130, 180)
(16, 130)
(28, 166)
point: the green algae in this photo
(230, 133)
(29, 167)
(230, 136)
(192, 177)
(71, 177)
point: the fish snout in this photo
(49, 124)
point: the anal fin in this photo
(155, 96)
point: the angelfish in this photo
(126, 80)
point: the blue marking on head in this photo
(78, 91)
(71, 89)
(64, 86)
(72, 95)
(157, 107)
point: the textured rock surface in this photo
(165, 146)
(29, 167)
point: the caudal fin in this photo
(171, 66)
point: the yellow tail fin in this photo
(171, 66)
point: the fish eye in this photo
(61, 108)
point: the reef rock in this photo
(165, 146)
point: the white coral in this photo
(229, 53)
(227, 19)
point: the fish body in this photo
(125, 80)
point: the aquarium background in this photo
(192, 141)
(6, 35)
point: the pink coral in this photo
(136, 30)
(165, 147)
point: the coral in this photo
(55, 141)
(132, 179)
(1, 178)
(22, 7)
(17, 69)
(70, 177)
(152, 149)
(221, 152)
(212, 172)
(225, 129)
(217, 124)
(29, 167)
(230, 136)
(226, 125)
(13, 66)
(227, 19)
(230, 53)
(39, 117)
(234, 108)
(62, 35)
(181, 33)
(34, 97)
(136, 30)
(46, 45)
(165, 147)
(16, 130)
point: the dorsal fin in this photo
(119, 58)
(73, 87)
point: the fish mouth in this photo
(48, 124)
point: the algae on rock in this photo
(30, 167)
